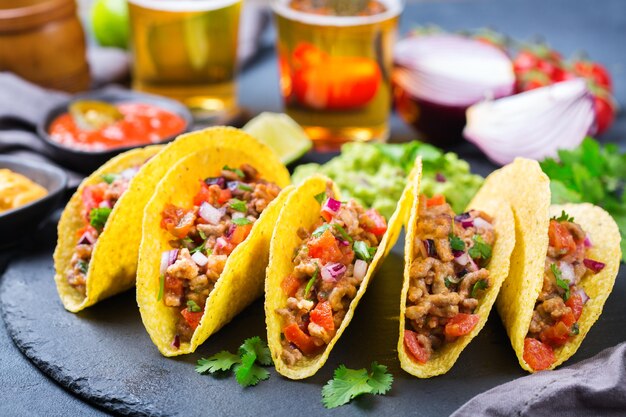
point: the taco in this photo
(562, 270)
(205, 243)
(323, 253)
(95, 262)
(454, 268)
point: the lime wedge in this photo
(281, 133)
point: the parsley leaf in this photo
(99, 216)
(238, 205)
(248, 373)
(161, 287)
(242, 221)
(235, 170)
(456, 243)
(259, 348)
(310, 284)
(564, 217)
(193, 306)
(350, 383)
(560, 281)
(109, 178)
(221, 361)
(83, 266)
(480, 250)
(479, 285)
(363, 251)
(321, 197)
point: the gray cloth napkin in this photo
(594, 387)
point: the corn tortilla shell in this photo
(504, 225)
(242, 280)
(302, 210)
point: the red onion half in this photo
(532, 124)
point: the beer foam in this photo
(394, 8)
(184, 5)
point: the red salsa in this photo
(142, 124)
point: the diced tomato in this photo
(173, 286)
(87, 228)
(419, 352)
(290, 285)
(303, 341)
(376, 224)
(192, 318)
(92, 196)
(322, 315)
(177, 221)
(436, 200)
(203, 194)
(212, 194)
(568, 319)
(326, 215)
(224, 196)
(537, 355)
(325, 248)
(575, 302)
(461, 324)
(240, 234)
(556, 335)
(560, 238)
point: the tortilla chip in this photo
(302, 210)
(504, 225)
(242, 280)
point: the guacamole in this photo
(375, 174)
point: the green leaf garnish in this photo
(244, 187)
(238, 205)
(83, 266)
(235, 170)
(200, 248)
(574, 330)
(161, 287)
(201, 234)
(363, 251)
(321, 197)
(456, 243)
(221, 361)
(320, 231)
(193, 306)
(564, 217)
(560, 281)
(242, 221)
(259, 348)
(109, 178)
(479, 285)
(480, 250)
(248, 373)
(350, 383)
(342, 232)
(450, 281)
(310, 284)
(98, 217)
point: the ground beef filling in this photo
(447, 275)
(328, 268)
(561, 300)
(222, 216)
(98, 201)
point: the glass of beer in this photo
(335, 59)
(187, 50)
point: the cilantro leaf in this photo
(244, 187)
(574, 330)
(200, 248)
(201, 234)
(238, 205)
(320, 230)
(479, 285)
(380, 380)
(99, 216)
(83, 266)
(221, 361)
(450, 280)
(248, 373)
(109, 178)
(363, 251)
(321, 197)
(310, 284)
(193, 306)
(456, 243)
(345, 385)
(560, 281)
(235, 170)
(480, 250)
(564, 217)
(242, 221)
(259, 348)
(343, 232)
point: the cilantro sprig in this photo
(99, 216)
(321, 197)
(242, 221)
(235, 170)
(238, 205)
(248, 372)
(564, 217)
(560, 281)
(481, 250)
(109, 178)
(363, 251)
(350, 383)
(456, 243)
(479, 285)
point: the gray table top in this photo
(598, 27)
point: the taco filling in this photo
(98, 201)
(203, 236)
(448, 275)
(561, 300)
(328, 268)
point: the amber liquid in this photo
(335, 74)
(187, 50)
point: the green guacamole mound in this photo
(375, 174)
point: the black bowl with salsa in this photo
(132, 120)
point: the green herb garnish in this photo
(342, 232)
(363, 251)
(98, 217)
(450, 281)
(320, 231)
(235, 170)
(82, 266)
(238, 205)
(560, 281)
(161, 287)
(480, 250)
(193, 307)
(350, 383)
(564, 217)
(321, 197)
(479, 285)
(200, 248)
(242, 221)
(574, 330)
(244, 187)
(310, 284)
(221, 361)
(109, 178)
(201, 234)
(456, 243)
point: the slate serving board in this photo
(105, 356)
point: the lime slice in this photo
(281, 133)
(109, 21)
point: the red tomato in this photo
(290, 285)
(461, 324)
(560, 238)
(173, 286)
(595, 72)
(240, 234)
(556, 335)
(524, 61)
(568, 319)
(224, 195)
(192, 318)
(537, 355)
(92, 196)
(562, 74)
(303, 341)
(87, 228)
(419, 352)
(337, 83)
(436, 200)
(203, 194)
(177, 221)
(326, 215)
(325, 248)
(374, 222)
(322, 315)
(575, 302)
(605, 113)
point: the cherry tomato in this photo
(192, 318)
(461, 324)
(524, 61)
(560, 238)
(325, 248)
(562, 74)
(605, 113)
(556, 335)
(177, 221)
(419, 352)
(374, 222)
(575, 302)
(595, 72)
(290, 285)
(537, 355)
(303, 341)
(322, 315)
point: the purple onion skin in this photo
(463, 216)
(594, 266)
(216, 180)
(429, 244)
(233, 186)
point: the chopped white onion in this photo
(238, 215)
(481, 223)
(463, 259)
(360, 269)
(199, 258)
(567, 272)
(583, 295)
(210, 213)
(167, 258)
